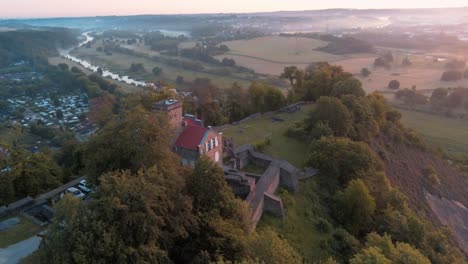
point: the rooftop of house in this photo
(192, 137)
(191, 120)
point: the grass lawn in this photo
(299, 227)
(281, 146)
(448, 133)
(24, 230)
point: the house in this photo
(193, 138)
(196, 141)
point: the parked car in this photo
(75, 192)
(84, 186)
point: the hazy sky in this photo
(60, 8)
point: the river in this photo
(94, 68)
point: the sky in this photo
(66, 8)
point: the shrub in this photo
(365, 72)
(262, 144)
(394, 85)
(451, 76)
(323, 225)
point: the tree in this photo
(157, 71)
(264, 97)
(394, 85)
(406, 62)
(341, 158)
(133, 218)
(355, 206)
(222, 218)
(236, 104)
(344, 244)
(451, 76)
(439, 96)
(319, 81)
(365, 72)
(351, 86)
(332, 112)
(228, 62)
(100, 71)
(406, 254)
(102, 109)
(402, 253)
(290, 73)
(139, 140)
(371, 255)
(267, 247)
(364, 123)
(32, 173)
(179, 79)
(137, 68)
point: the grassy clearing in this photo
(299, 228)
(256, 130)
(24, 230)
(447, 133)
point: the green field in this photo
(24, 230)
(256, 130)
(281, 49)
(120, 63)
(447, 133)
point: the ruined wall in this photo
(289, 179)
(274, 205)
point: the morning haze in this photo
(235, 132)
(54, 8)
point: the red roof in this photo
(191, 137)
(190, 122)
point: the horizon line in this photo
(228, 13)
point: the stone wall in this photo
(274, 205)
(278, 173)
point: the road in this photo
(14, 253)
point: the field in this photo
(270, 55)
(424, 73)
(281, 49)
(120, 63)
(449, 134)
(256, 130)
(24, 230)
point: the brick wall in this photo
(175, 116)
(215, 152)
